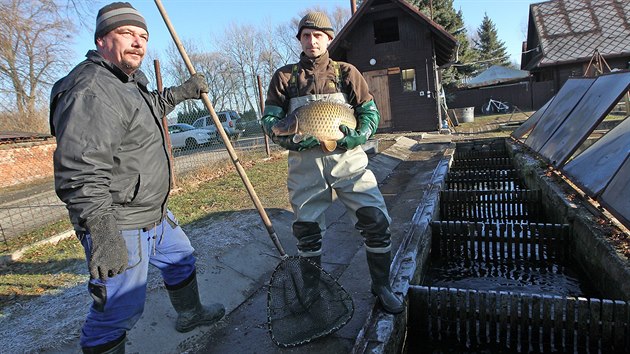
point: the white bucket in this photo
(467, 114)
(464, 115)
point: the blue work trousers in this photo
(119, 301)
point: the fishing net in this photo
(304, 302)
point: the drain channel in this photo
(500, 276)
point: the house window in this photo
(408, 79)
(386, 30)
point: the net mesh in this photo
(304, 302)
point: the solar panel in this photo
(530, 123)
(598, 101)
(593, 169)
(616, 196)
(565, 100)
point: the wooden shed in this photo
(399, 50)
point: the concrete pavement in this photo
(236, 259)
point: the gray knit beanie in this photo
(115, 15)
(316, 20)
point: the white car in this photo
(185, 135)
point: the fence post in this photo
(262, 110)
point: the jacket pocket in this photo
(124, 190)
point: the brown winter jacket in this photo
(317, 76)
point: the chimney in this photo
(353, 6)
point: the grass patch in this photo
(490, 125)
(212, 190)
(42, 270)
(16, 243)
(220, 189)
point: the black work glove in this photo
(287, 142)
(108, 254)
(191, 89)
(353, 138)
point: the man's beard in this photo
(130, 66)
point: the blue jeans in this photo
(119, 301)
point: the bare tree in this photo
(34, 53)
(242, 47)
(31, 52)
(339, 17)
(285, 44)
(175, 71)
(222, 79)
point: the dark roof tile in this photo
(570, 30)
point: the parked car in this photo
(230, 120)
(251, 127)
(185, 135)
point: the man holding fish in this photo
(322, 112)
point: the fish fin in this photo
(328, 145)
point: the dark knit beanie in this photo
(316, 20)
(115, 15)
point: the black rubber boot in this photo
(114, 347)
(310, 276)
(379, 271)
(191, 314)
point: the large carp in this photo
(320, 119)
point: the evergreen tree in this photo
(490, 50)
(444, 14)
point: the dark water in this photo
(532, 267)
(527, 276)
(513, 275)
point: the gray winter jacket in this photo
(111, 155)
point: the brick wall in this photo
(26, 162)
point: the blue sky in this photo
(205, 19)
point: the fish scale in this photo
(320, 119)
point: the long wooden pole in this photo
(224, 137)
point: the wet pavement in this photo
(403, 171)
(237, 274)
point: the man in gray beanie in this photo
(112, 171)
(313, 173)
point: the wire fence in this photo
(29, 206)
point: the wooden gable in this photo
(398, 50)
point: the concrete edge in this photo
(383, 332)
(15, 256)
